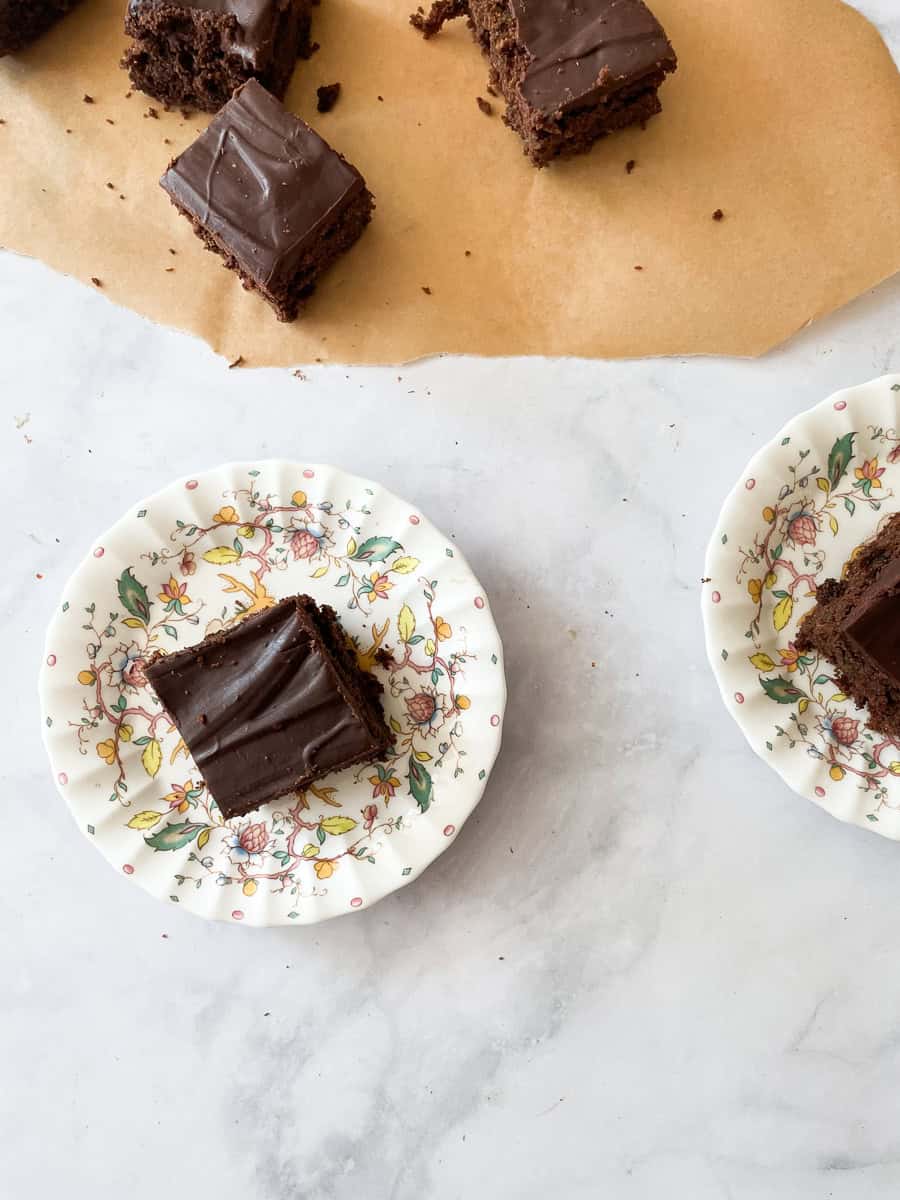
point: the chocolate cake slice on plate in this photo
(856, 626)
(272, 704)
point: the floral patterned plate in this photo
(201, 555)
(798, 513)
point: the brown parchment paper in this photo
(783, 113)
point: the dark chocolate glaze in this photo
(257, 23)
(262, 708)
(873, 626)
(584, 50)
(262, 182)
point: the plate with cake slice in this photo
(801, 603)
(272, 693)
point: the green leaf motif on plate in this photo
(420, 785)
(376, 549)
(173, 837)
(133, 595)
(839, 459)
(781, 690)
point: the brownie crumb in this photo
(718, 215)
(237, 362)
(298, 374)
(110, 121)
(169, 270)
(381, 98)
(491, 91)
(327, 97)
(96, 282)
(639, 268)
(152, 113)
(167, 141)
(111, 186)
(171, 251)
(468, 254)
(383, 657)
(485, 105)
(128, 95)
(2, 122)
(87, 99)
(121, 196)
(430, 23)
(629, 166)
(426, 290)
(203, 718)
(68, 131)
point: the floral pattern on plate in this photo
(803, 507)
(203, 555)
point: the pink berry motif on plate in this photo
(778, 570)
(238, 549)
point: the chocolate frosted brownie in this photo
(571, 71)
(267, 193)
(22, 21)
(273, 704)
(856, 625)
(194, 53)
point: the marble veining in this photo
(644, 969)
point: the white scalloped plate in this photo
(804, 504)
(192, 559)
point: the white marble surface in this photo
(644, 969)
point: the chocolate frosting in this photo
(257, 22)
(260, 708)
(262, 182)
(873, 626)
(584, 50)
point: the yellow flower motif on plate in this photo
(107, 750)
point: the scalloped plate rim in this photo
(714, 558)
(246, 465)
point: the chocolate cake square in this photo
(267, 193)
(571, 71)
(855, 624)
(272, 704)
(23, 21)
(194, 53)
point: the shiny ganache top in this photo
(262, 182)
(584, 50)
(257, 23)
(260, 708)
(873, 626)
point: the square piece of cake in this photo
(267, 193)
(571, 71)
(856, 626)
(272, 704)
(23, 21)
(194, 53)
